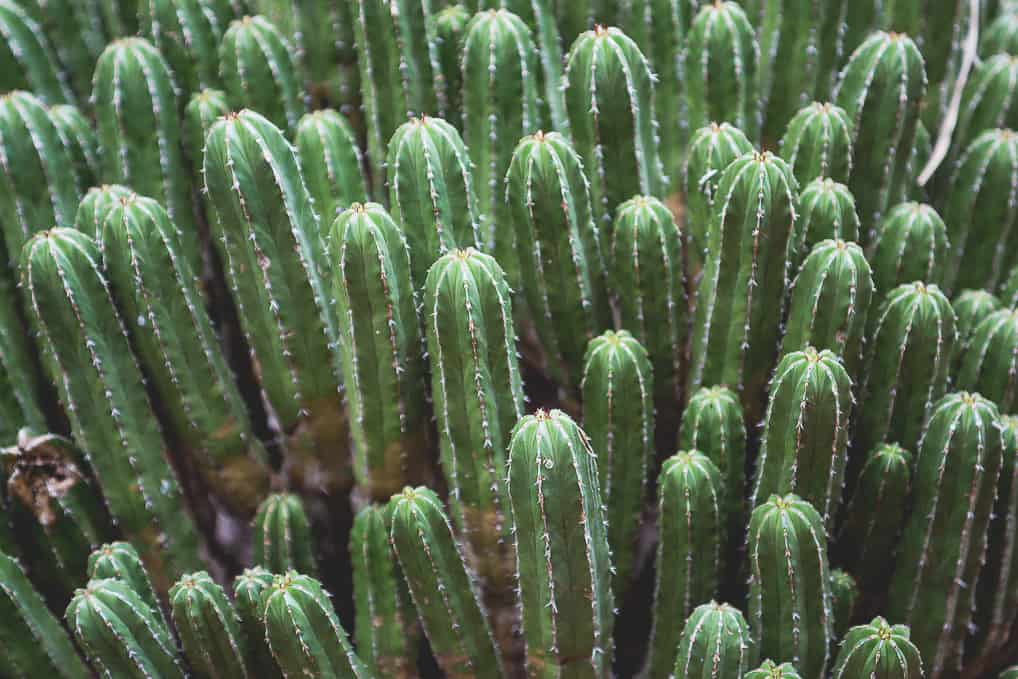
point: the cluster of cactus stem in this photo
(386, 338)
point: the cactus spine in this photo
(380, 349)
(911, 246)
(790, 587)
(79, 140)
(826, 211)
(818, 143)
(942, 549)
(208, 627)
(989, 100)
(96, 206)
(691, 539)
(769, 670)
(187, 34)
(562, 552)
(27, 61)
(120, 561)
(330, 162)
(202, 111)
(74, 29)
(249, 590)
(989, 364)
(971, 307)
(715, 642)
(441, 586)
(879, 651)
(281, 536)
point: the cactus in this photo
(876, 513)
(715, 642)
(74, 29)
(37, 183)
(384, 628)
(826, 211)
(33, 641)
(120, 561)
(908, 359)
(249, 590)
(911, 245)
(1009, 673)
(790, 588)
(689, 563)
(942, 548)
(27, 61)
(281, 536)
(980, 211)
(721, 69)
(139, 132)
(161, 303)
(881, 90)
(187, 34)
(1000, 36)
(500, 106)
(96, 206)
(330, 162)
(257, 69)
(609, 92)
(1008, 289)
(441, 586)
(120, 16)
(103, 393)
(844, 595)
(202, 111)
(740, 299)
(431, 192)
(768, 670)
(120, 634)
(209, 628)
(989, 364)
(20, 382)
(79, 140)
(560, 263)
(879, 651)
(448, 28)
(478, 394)
(646, 273)
(562, 553)
(829, 303)
(269, 239)
(618, 416)
(988, 101)
(324, 40)
(803, 448)
(971, 307)
(380, 348)
(818, 143)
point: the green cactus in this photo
(1000, 36)
(202, 111)
(380, 347)
(740, 300)
(209, 628)
(269, 239)
(1008, 289)
(258, 71)
(710, 151)
(325, 49)
(988, 101)
(385, 624)
(1009, 673)
(609, 93)
(715, 642)
(971, 307)
(330, 162)
(281, 536)
(618, 416)
(690, 550)
(844, 595)
(431, 192)
(646, 272)
(96, 206)
(79, 140)
(27, 61)
(879, 651)
(75, 30)
(249, 591)
(720, 62)
(911, 245)
(120, 634)
(442, 586)
(826, 211)
(818, 143)
(562, 552)
(829, 303)
(448, 28)
(120, 17)
(304, 634)
(908, 360)
(917, 161)
(881, 89)
(790, 611)
(559, 255)
(88, 358)
(942, 549)
(120, 561)
(20, 381)
(876, 513)
(768, 670)
(187, 34)
(989, 364)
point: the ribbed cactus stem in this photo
(96, 206)
(281, 536)
(249, 591)
(75, 31)
(187, 34)
(79, 141)
(209, 628)
(120, 561)
(879, 651)
(20, 380)
(989, 364)
(911, 245)
(989, 101)
(1001, 34)
(201, 112)
(818, 143)
(27, 59)
(715, 642)
(448, 27)
(331, 163)
(770, 670)
(844, 596)
(971, 307)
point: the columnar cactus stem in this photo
(385, 626)
(942, 550)
(74, 29)
(96, 206)
(618, 416)
(258, 71)
(790, 587)
(740, 298)
(720, 63)
(768, 670)
(989, 364)
(881, 89)
(715, 642)
(559, 255)
(281, 536)
(562, 552)
(431, 192)
(187, 34)
(209, 628)
(1008, 289)
(79, 140)
(270, 241)
(27, 61)
(646, 272)
(204, 109)
(826, 211)
(120, 17)
(139, 132)
(34, 641)
(19, 377)
(448, 28)
(818, 143)
(120, 634)
(1001, 35)
(249, 591)
(120, 561)
(442, 586)
(990, 101)
(911, 245)
(971, 307)
(330, 162)
(609, 91)
(879, 651)
(829, 304)
(844, 595)
(380, 349)
(690, 548)
(103, 393)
